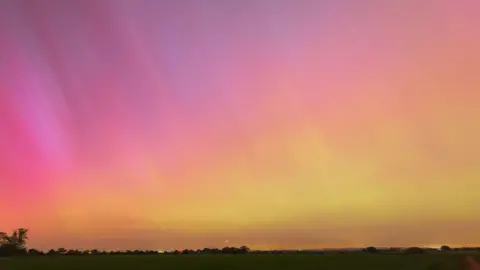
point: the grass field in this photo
(348, 261)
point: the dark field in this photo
(350, 261)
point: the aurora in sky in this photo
(156, 124)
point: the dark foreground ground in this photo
(350, 261)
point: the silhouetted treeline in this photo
(76, 252)
(15, 245)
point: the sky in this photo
(176, 124)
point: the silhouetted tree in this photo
(73, 252)
(244, 249)
(227, 250)
(370, 250)
(445, 248)
(3, 238)
(34, 252)
(14, 244)
(234, 250)
(18, 238)
(215, 251)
